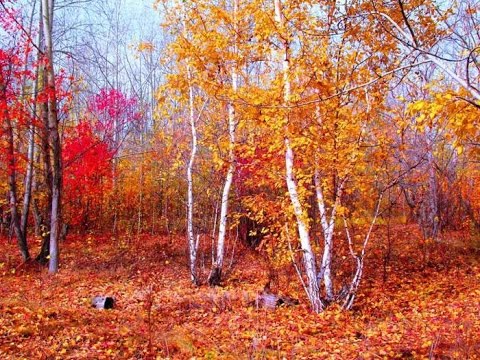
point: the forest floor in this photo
(424, 303)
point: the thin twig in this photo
(297, 269)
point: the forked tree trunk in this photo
(308, 254)
(309, 262)
(216, 273)
(328, 226)
(359, 257)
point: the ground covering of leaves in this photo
(428, 307)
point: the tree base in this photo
(215, 276)
(42, 257)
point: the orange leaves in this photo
(414, 313)
(145, 46)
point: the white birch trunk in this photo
(192, 245)
(328, 225)
(308, 255)
(54, 138)
(216, 273)
(222, 226)
(191, 236)
(359, 257)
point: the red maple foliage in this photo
(115, 113)
(88, 173)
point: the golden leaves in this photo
(145, 46)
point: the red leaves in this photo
(115, 113)
(14, 113)
(88, 151)
(8, 16)
(415, 314)
(87, 172)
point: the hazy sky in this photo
(141, 14)
(140, 7)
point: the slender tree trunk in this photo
(308, 254)
(28, 179)
(116, 129)
(55, 216)
(44, 221)
(140, 195)
(191, 236)
(28, 184)
(192, 244)
(433, 221)
(37, 214)
(328, 226)
(351, 293)
(31, 142)
(309, 262)
(11, 169)
(216, 272)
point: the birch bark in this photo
(216, 273)
(302, 226)
(192, 244)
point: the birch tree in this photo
(192, 243)
(216, 272)
(309, 262)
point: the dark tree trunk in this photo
(43, 222)
(28, 184)
(215, 276)
(54, 137)
(250, 231)
(11, 170)
(37, 214)
(42, 257)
